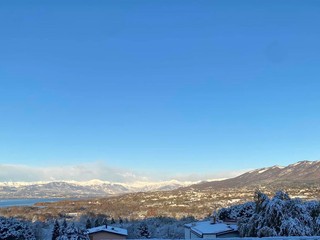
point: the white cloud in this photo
(81, 172)
(194, 177)
(98, 170)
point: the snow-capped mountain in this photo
(301, 173)
(75, 189)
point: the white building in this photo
(208, 229)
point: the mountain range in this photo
(301, 173)
(297, 174)
(75, 189)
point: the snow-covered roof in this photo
(206, 227)
(109, 229)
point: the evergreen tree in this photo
(63, 226)
(113, 221)
(88, 224)
(56, 230)
(73, 233)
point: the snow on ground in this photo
(110, 229)
(206, 227)
(263, 170)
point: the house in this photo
(210, 229)
(107, 232)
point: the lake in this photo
(25, 202)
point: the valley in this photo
(177, 204)
(198, 200)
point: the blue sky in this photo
(171, 88)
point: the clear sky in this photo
(168, 88)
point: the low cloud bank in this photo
(97, 170)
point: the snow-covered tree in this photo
(280, 216)
(237, 211)
(13, 229)
(63, 226)
(158, 227)
(73, 233)
(144, 231)
(266, 232)
(56, 230)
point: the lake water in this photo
(25, 202)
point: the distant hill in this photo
(300, 173)
(141, 200)
(304, 173)
(74, 189)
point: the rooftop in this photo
(206, 227)
(110, 229)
